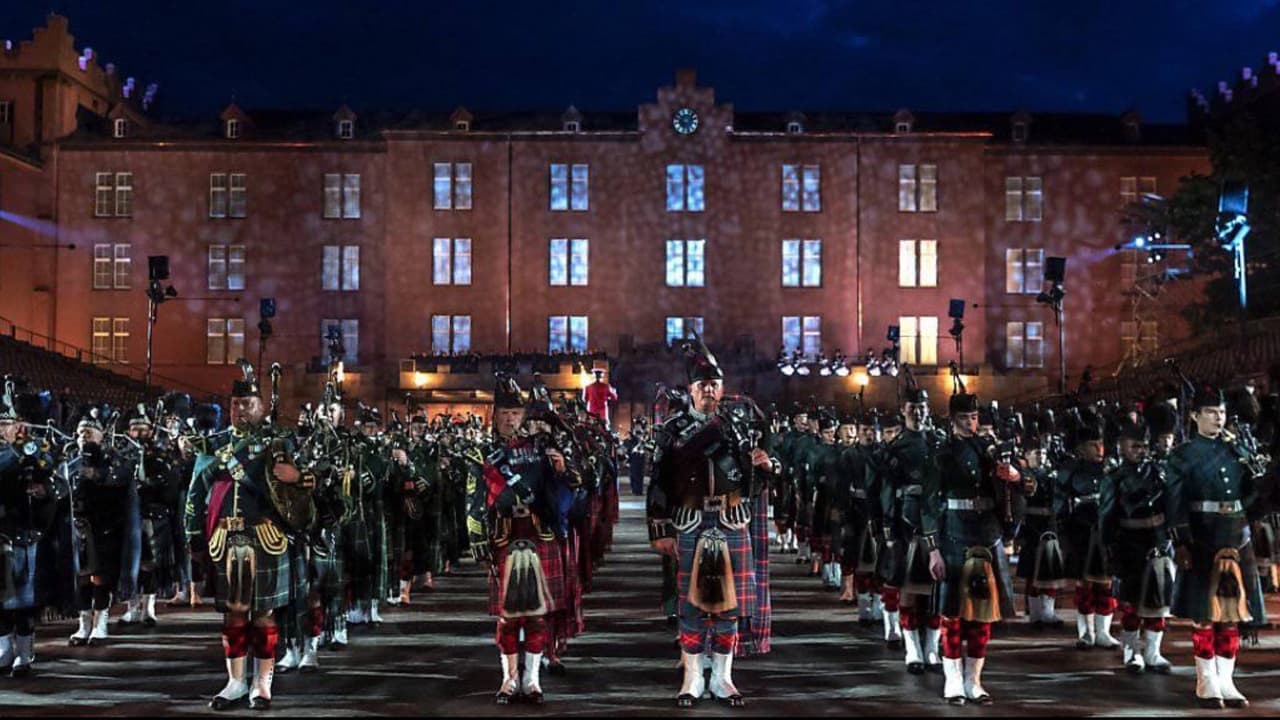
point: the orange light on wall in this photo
(860, 378)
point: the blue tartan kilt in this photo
(741, 559)
(18, 585)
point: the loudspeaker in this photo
(1055, 269)
(957, 309)
(893, 335)
(157, 267)
(267, 308)
(1234, 198)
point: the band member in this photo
(1041, 564)
(27, 499)
(1135, 535)
(909, 587)
(824, 475)
(1077, 490)
(862, 522)
(638, 448)
(229, 504)
(103, 493)
(786, 492)
(707, 472)
(966, 528)
(155, 480)
(1210, 490)
(512, 522)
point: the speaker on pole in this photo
(1055, 269)
(157, 267)
(957, 309)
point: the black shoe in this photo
(78, 642)
(733, 701)
(1083, 646)
(673, 620)
(894, 644)
(220, 703)
(149, 622)
(533, 698)
(915, 668)
(20, 672)
(1211, 703)
(1135, 669)
(935, 669)
(556, 668)
(957, 700)
(984, 700)
(686, 701)
(260, 703)
(503, 698)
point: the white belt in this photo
(971, 504)
(1214, 507)
(1039, 511)
(860, 493)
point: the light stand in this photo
(956, 313)
(1053, 298)
(157, 294)
(266, 311)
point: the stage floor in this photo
(437, 657)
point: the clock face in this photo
(685, 121)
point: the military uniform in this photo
(701, 496)
(1134, 530)
(27, 504)
(230, 505)
(1040, 559)
(513, 522)
(962, 516)
(907, 464)
(1077, 491)
(1210, 491)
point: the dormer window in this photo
(120, 128)
(233, 129)
(794, 127)
(1019, 132)
(572, 126)
(462, 125)
(902, 128)
(346, 129)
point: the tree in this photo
(1243, 147)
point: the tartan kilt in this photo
(553, 569)
(271, 576)
(574, 620)
(18, 583)
(741, 558)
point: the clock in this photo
(685, 121)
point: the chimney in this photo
(687, 78)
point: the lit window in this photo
(569, 262)
(790, 188)
(902, 128)
(686, 189)
(218, 267)
(918, 188)
(567, 333)
(110, 340)
(918, 340)
(450, 334)
(217, 195)
(1024, 271)
(452, 186)
(686, 263)
(120, 128)
(928, 188)
(802, 333)
(1023, 199)
(239, 195)
(341, 268)
(341, 196)
(224, 340)
(102, 273)
(101, 348)
(235, 267)
(124, 194)
(802, 263)
(346, 129)
(683, 328)
(233, 129)
(917, 263)
(349, 331)
(451, 261)
(907, 188)
(104, 194)
(443, 186)
(120, 340)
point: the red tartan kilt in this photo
(572, 609)
(550, 555)
(741, 557)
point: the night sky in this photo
(1083, 55)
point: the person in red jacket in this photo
(599, 395)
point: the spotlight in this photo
(1141, 241)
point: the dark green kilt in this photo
(271, 580)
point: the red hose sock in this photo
(1202, 642)
(1226, 640)
(1154, 624)
(952, 639)
(1129, 619)
(1103, 602)
(891, 598)
(1084, 600)
(977, 636)
(265, 640)
(315, 621)
(235, 640)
